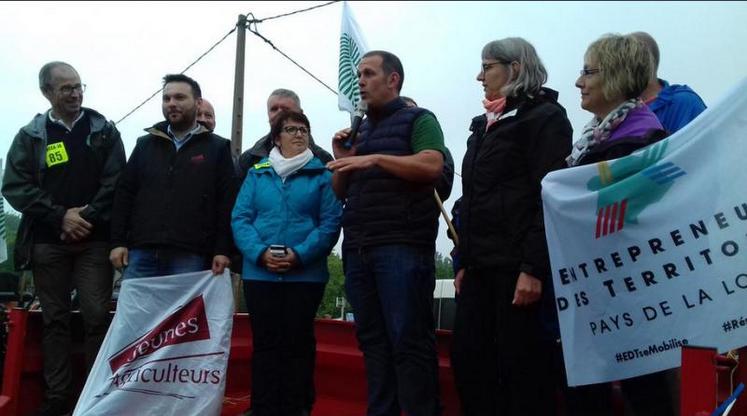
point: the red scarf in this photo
(493, 110)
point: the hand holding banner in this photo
(166, 351)
(647, 251)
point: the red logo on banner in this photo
(187, 324)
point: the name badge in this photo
(56, 154)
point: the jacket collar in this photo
(515, 106)
(262, 147)
(387, 110)
(37, 127)
(160, 130)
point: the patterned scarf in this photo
(597, 131)
(493, 110)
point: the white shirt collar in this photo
(186, 136)
(62, 123)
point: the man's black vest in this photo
(381, 208)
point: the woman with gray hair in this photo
(500, 359)
(615, 73)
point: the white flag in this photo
(648, 251)
(3, 231)
(166, 351)
(352, 47)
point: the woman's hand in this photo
(279, 264)
(528, 290)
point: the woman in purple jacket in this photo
(616, 71)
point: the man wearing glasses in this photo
(61, 172)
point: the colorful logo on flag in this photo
(629, 185)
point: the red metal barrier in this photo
(13, 367)
(339, 378)
(707, 381)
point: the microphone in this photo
(360, 111)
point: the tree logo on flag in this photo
(627, 186)
(350, 57)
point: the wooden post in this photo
(238, 90)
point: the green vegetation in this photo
(336, 284)
(11, 227)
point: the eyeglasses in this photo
(292, 130)
(586, 72)
(485, 67)
(67, 89)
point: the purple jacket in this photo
(639, 122)
(639, 129)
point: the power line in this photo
(183, 71)
(291, 13)
(269, 42)
(254, 21)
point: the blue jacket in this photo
(303, 214)
(676, 105)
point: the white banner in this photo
(166, 351)
(649, 251)
(352, 48)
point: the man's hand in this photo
(119, 257)
(220, 263)
(74, 227)
(351, 163)
(528, 290)
(338, 148)
(458, 279)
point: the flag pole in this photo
(452, 230)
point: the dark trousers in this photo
(391, 291)
(501, 363)
(57, 270)
(282, 319)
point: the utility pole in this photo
(238, 90)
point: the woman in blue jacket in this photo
(285, 222)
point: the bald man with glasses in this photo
(61, 172)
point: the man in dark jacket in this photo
(280, 100)
(61, 172)
(390, 221)
(172, 208)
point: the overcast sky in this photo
(122, 50)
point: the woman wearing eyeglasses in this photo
(616, 71)
(500, 358)
(285, 222)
